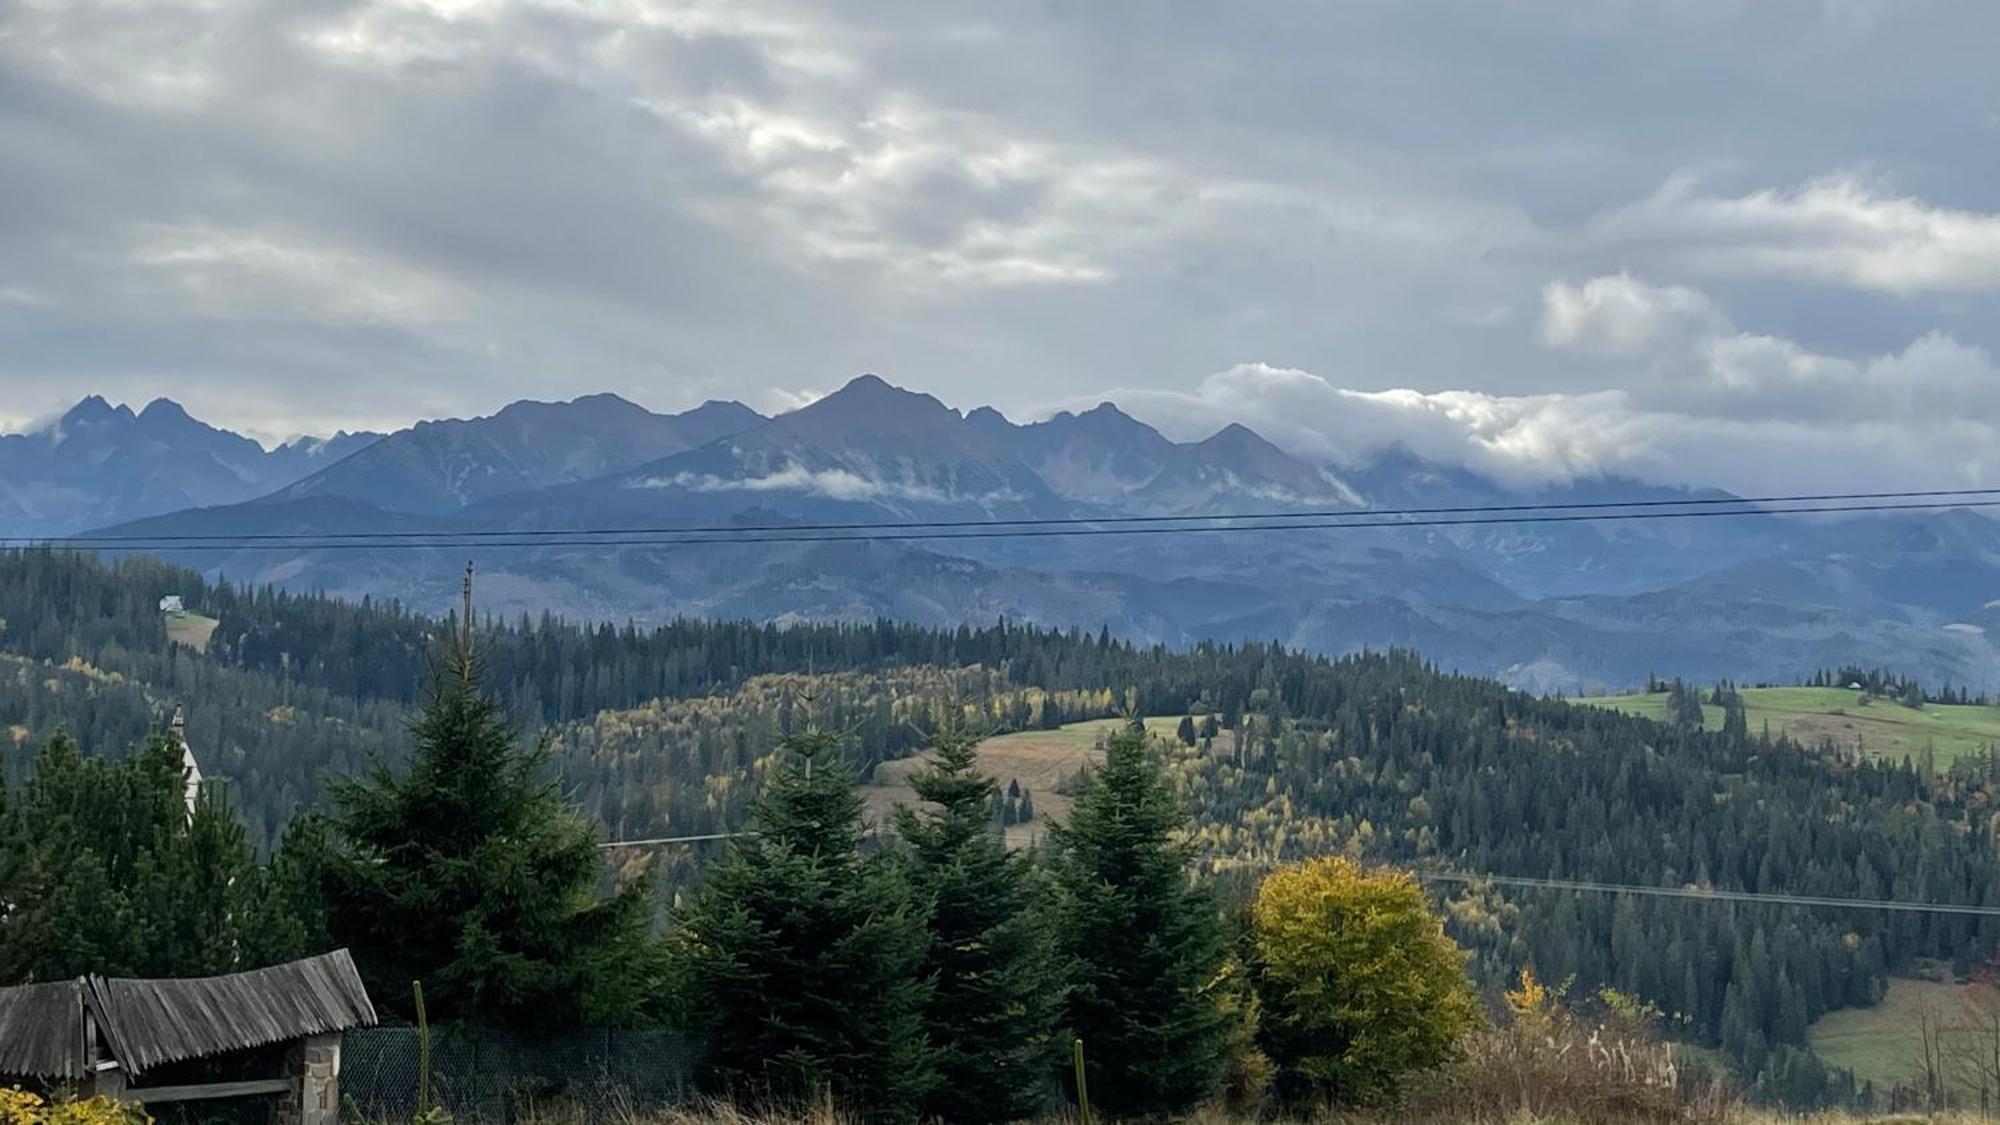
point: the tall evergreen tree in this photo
(996, 996)
(1146, 945)
(800, 958)
(1735, 721)
(472, 873)
(105, 869)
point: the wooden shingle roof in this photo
(146, 1023)
(41, 1030)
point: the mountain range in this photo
(1559, 605)
(101, 464)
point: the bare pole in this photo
(465, 629)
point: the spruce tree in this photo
(199, 899)
(106, 870)
(1735, 721)
(799, 957)
(1146, 945)
(471, 872)
(992, 1012)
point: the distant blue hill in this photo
(1547, 605)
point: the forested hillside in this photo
(670, 730)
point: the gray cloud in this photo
(1576, 236)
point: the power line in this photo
(1469, 878)
(659, 841)
(1040, 521)
(536, 539)
(1708, 895)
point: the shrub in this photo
(1359, 986)
(1545, 1062)
(19, 1107)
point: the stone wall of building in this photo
(313, 1064)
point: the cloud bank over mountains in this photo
(1700, 402)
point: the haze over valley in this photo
(1569, 605)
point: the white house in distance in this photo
(172, 604)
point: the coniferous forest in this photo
(336, 734)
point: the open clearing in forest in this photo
(1814, 715)
(1882, 1044)
(1041, 760)
(191, 629)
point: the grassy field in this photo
(1470, 1115)
(1882, 1043)
(191, 629)
(1041, 760)
(1882, 726)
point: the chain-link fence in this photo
(496, 1076)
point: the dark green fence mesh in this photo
(505, 1076)
(222, 1111)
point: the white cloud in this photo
(1837, 230)
(1617, 315)
(1704, 404)
(1675, 350)
(834, 484)
(784, 400)
(937, 197)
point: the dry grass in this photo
(1041, 760)
(1470, 1114)
(1541, 1064)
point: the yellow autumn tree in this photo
(20, 1107)
(1359, 985)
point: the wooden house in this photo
(269, 1033)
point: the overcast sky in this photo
(1754, 244)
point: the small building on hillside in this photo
(269, 1034)
(172, 604)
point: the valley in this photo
(676, 729)
(1884, 1042)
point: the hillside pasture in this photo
(191, 629)
(1880, 727)
(1041, 760)
(1883, 1044)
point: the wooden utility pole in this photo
(465, 629)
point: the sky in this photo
(1752, 244)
